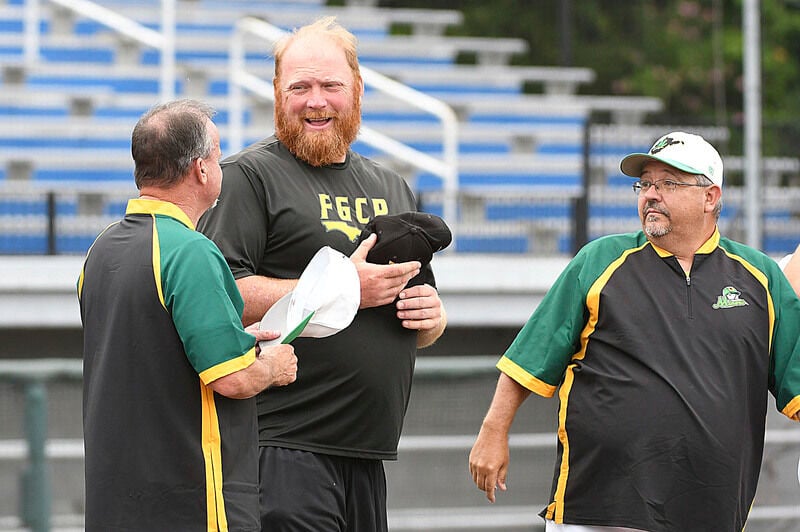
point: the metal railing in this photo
(446, 168)
(164, 41)
(33, 376)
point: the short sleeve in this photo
(238, 223)
(206, 307)
(539, 355)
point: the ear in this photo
(713, 194)
(360, 87)
(200, 170)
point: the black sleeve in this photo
(238, 224)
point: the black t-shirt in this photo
(274, 213)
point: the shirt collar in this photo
(707, 247)
(165, 208)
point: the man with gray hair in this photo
(662, 346)
(170, 374)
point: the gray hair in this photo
(167, 139)
(705, 181)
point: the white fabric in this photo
(685, 151)
(329, 288)
(550, 526)
(785, 260)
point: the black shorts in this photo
(310, 492)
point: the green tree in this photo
(686, 52)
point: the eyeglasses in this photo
(665, 185)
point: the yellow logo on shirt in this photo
(340, 213)
(351, 232)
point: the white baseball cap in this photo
(324, 301)
(685, 151)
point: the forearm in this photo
(245, 383)
(489, 459)
(260, 293)
(508, 397)
(276, 365)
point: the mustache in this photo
(317, 115)
(653, 206)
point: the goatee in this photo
(657, 231)
(651, 224)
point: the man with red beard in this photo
(323, 442)
(662, 346)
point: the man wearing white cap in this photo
(662, 345)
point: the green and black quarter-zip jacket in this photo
(662, 378)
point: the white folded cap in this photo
(324, 301)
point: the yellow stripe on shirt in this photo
(212, 456)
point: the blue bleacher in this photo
(506, 211)
(84, 175)
(38, 244)
(23, 244)
(508, 244)
(493, 244)
(134, 92)
(496, 119)
(427, 182)
(61, 142)
(779, 245)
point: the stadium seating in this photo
(65, 126)
(67, 118)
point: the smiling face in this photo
(317, 101)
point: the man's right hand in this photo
(282, 364)
(488, 461)
(381, 283)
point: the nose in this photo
(652, 192)
(316, 99)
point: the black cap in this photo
(406, 236)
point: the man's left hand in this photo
(419, 307)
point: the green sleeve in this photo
(546, 343)
(204, 301)
(785, 356)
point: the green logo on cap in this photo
(663, 143)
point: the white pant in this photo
(550, 526)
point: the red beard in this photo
(318, 148)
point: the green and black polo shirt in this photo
(662, 378)
(162, 319)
